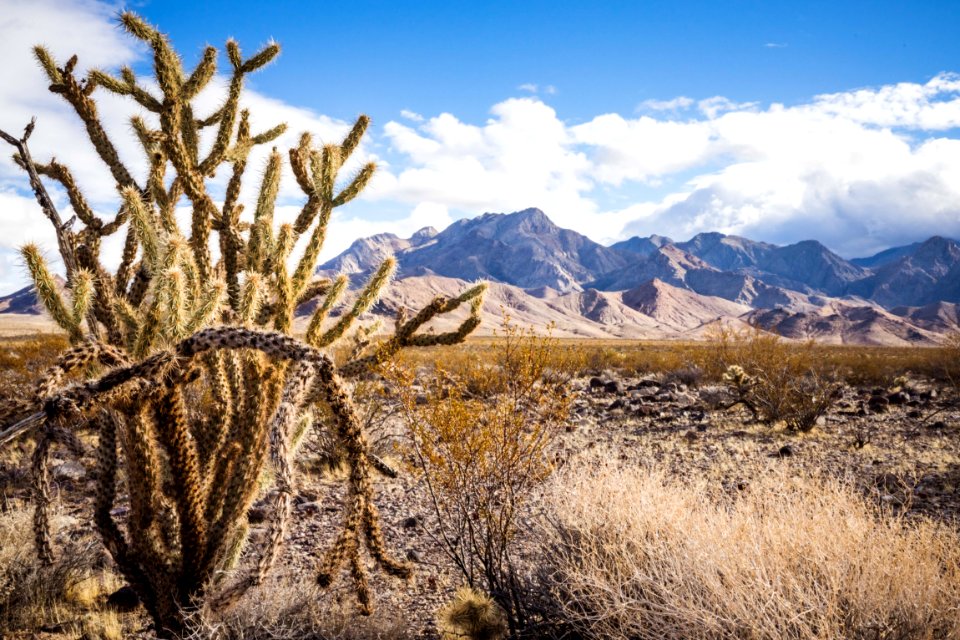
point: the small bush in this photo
(472, 615)
(480, 438)
(774, 379)
(636, 556)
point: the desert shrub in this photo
(472, 615)
(20, 359)
(603, 358)
(484, 453)
(635, 555)
(326, 453)
(690, 375)
(67, 594)
(774, 379)
(949, 354)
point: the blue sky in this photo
(780, 121)
(600, 56)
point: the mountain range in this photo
(659, 288)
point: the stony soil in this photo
(902, 449)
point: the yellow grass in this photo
(639, 556)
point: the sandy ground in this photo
(17, 324)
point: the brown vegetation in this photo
(480, 435)
(637, 555)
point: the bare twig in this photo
(61, 228)
(46, 203)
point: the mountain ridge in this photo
(659, 288)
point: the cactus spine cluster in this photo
(201, 386)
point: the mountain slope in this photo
(931, 273)
(524, 249)
(366, 254)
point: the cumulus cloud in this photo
(523, 156)
(860, 170)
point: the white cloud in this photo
(523, 156)
(861, 170)
(676, 104)
(712, 107)
(411, 115)
(775, 45)
(530, 87)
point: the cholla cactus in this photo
(189, 415)
(472, 615)
(738, 378)
(742, 384)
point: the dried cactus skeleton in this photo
(184, 364)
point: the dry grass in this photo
(637, 556)
(856, 365)
(67, 597)
(293, 609)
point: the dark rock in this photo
(306, 496)
(308, 508)
(939, 425)
(785, 451)
(413, 556)
(645, 392)
(411, 522)
(256, 514)
(612, 387)
(929, 394)
(900, 397)
(123, 599)
(616, 404)
(646, 382)
(878, 404)
(596, 383)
